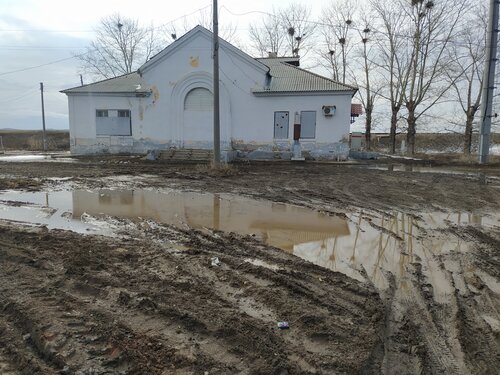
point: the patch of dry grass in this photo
(222, 170)
(20, 183)
(32, 139)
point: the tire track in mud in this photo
(477, 301)
(429, 325)
(49, 300)
(123, 305)
(352, 302)
(6, 368)
(241, 281)
(440, 356)
(125, 295)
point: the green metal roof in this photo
(284, 78)
(287, 78)
(125, 84)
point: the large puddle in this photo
(425, 169)
(277, 224)
(35, 157)
(366, 244)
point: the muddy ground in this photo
(149, 301)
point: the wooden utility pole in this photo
(488, 83)
(216, 86)
(44, 139)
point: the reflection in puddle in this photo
(423, 169)
(277, 224)
(387, 244)
(50, 209)
(374, 246)
(25, 157)
(33, 157)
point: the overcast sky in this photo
(37, 32)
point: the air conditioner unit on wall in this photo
(329, 110)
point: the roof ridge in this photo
(199, 28)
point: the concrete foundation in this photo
(253, 151)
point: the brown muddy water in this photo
(427, 169)
(35, 157)
(363, 245)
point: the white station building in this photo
(168, 103)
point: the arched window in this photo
(199, 99)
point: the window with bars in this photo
(101, 113)
(123, 113)
(113, 122)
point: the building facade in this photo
(168, 103)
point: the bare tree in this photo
(466, 71)
(416, 37)
(369, 85)
(338, 22)
(394, 58)
(268, 36)
(294, 19)
(121, 46)
(330, 56)
(351, 53)
(433, 27)
(285, 32)
(227, 30)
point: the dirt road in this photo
(409, 283)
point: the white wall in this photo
(190, 67)
(259, 125)
(247, 120)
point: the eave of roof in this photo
(124, 84)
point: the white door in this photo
(307, 124)
(281, 125)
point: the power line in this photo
(41, 65)
(171, 22)
(26, 94)
(184, 16)
(234, 82)
(318, 23)
(44, 31)
(248, 13)
(92, 31)
(86, 53)
(37, 48)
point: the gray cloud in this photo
(19, 91)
